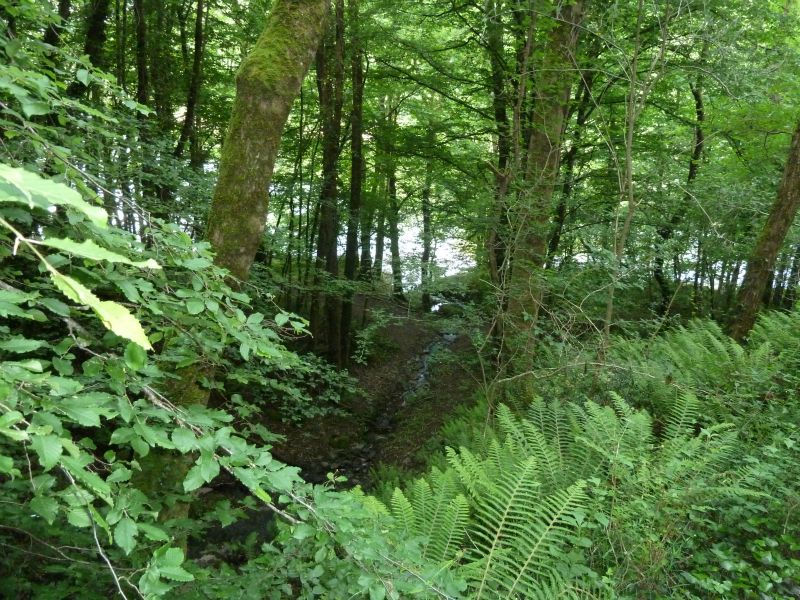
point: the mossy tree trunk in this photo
(266, 85)
(762, 261)
(540, 169)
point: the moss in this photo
(266, 85)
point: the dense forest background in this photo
(438, 299)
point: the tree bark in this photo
(762, 260)
(142, 74)
(427, 229)
(666, 231)
(394, 232)
(356, 180)
(326, 306)
(541, 168)
(52, 34)
(380, 240)
(193, 94)
(266, 85)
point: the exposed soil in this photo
(413, 381)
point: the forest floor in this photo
(416, 376)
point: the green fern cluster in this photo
(727, 377)
(563, 490)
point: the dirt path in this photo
(410, 388)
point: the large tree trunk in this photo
(356, 180)
(326, 307)
(266, 85)
(762, 261)
(541, 168)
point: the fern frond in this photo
(446, 536)
(403, 512)
(499, 516)
(551, 530)
(683, 416)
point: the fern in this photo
(403, 512)
(448, 535)
(683, 416)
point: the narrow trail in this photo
(408, 393)
(411, 386)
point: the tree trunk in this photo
(496, 241)
(769, 243)
(94, 42)
(142, 75)
(586, 103)
(193, 95)
(427, 230)
(541, 168)
(52, 34)
(121, 36)
(365, 262)
(266, 85)
(356, 180)
(394, 232)
(380, 237)
(666, 232)
(326, 307)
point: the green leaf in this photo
(135, 356)
(6, 464)
(184, 440)
(82, 75)
(196, 264)
(302, 530)
(20, 345)
(171, 557)
(283, 478)
(32, 108)
(90, 479)
(89, 249)
(10, 418)
(194, 479)
(48, 448)
(44, 506)
(175, 573)
(120, 475)
(125, 534)
(209, 468)
(114, 316)
(169, 565)
(281, 319)
(78, 517)
(194, 306)
(25, 187)
(151, 532)
(84, 410)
